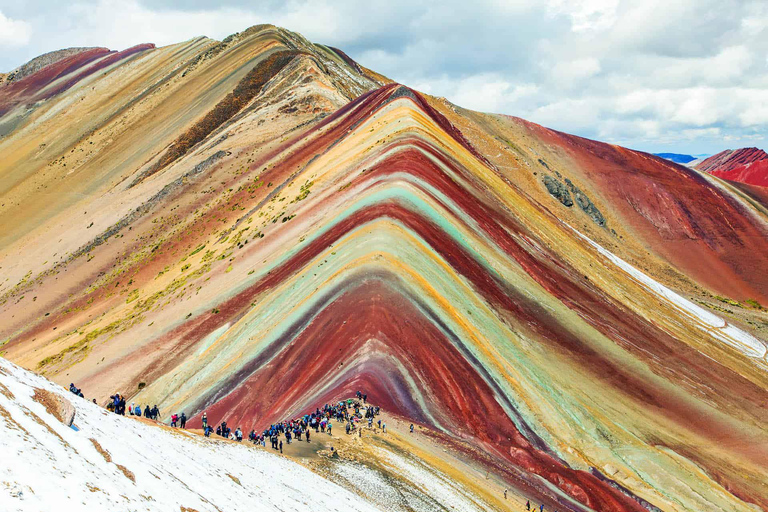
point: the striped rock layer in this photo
(256, 227)
(745, 165)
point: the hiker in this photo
(208, 429)
(307, 435)
(131, 408)
(218, 430)
(239, 435)
(174, 419)
(281, 446)
(205, 420)
(411, 428)
(155, 412)
(505, 494)
(330, 426)
(528, 505)
(183, 420)
(147, 411)
(121, 406)
(137, 411)
(384, 427)
(541, 508)
(347, 427)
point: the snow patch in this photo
(47, 465)
(700, 317)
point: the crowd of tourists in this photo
(117, 405)
(349, 412)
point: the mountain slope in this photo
(257, 227)
(745, 165)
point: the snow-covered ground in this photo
(700, 317)
(46, 465)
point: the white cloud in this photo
(14, 33)
(586, 15)
(575, 70)
(488, 92)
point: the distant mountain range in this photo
(677, 157)
(745, 165)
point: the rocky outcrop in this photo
(585, 203)
(559, 191)
(567, 192)
(55, 404)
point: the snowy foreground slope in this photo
(107, 462)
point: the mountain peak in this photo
(259, 229)
(745, 165)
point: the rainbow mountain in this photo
(255, 227)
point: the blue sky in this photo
(688, 76)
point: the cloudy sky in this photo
(688, 76)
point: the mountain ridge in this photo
(337, 231)
(745, 165)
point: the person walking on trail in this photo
(137, 411)
(174, 419)
(308, 435)
(505, 494)
(411, 428)
(281, 446)
(205, 420)
(183, 420)
(330, 426)
(384, 427)
(528, 505)
(541, 507)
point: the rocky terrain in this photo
(258, 226)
